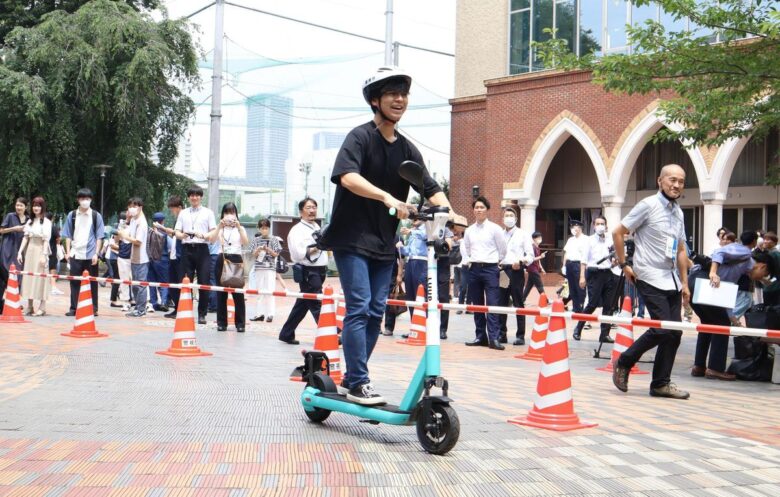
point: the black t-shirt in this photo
(363, 225)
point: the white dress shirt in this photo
(200, 220)
(575, 247)
(230, 241)
(484, 242)
(298, 241)
(519, 247)
(597, 248)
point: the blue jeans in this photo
(158, 273)
(140, 272)
(366, 284)
(213, 281)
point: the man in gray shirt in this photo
(660, 272)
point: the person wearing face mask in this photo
(136, 234)
(83, 233)
(12, 230)
(519, 253)
(535, 269)
(572, 258)
(596, 273)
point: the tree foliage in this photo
(724, 72)
(102, 85)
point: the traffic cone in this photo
(538, 335)
(327, 339)
(231, 310)
(623, 340)
(554, 406)
(341, 311)
(12, 308)
(417, 333)
(85, 314)
(184, 343)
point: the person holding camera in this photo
(596, 273)
(230, 237)
(310, 265)
(660, 270)
(191, 227)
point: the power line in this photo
(341, 31)
(199, 11)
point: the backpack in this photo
(155, 245)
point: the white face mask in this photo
(84, 204)
(573, 232)
(600, 229)
(510, 222)
(132, 211)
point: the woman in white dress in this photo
(34, 254)
(265, 248)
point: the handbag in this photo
(281, 265)
(232, 273)
(397, 293)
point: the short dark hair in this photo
(22, 200)
(483, 200)
(511, 209)
(536, 234)
(136, 201)
(302, 203)
(175, 201)
(770, 235)
(264, 223)
(84, 193)
(730, 236)
(195, 190)
(723, 229)
(599, 217)
(229, 208)
(748, 237)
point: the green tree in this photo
(105, 84)
(720, 78)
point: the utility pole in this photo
(389, 33)
(216, 108)
(305, 168)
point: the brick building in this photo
(559, 147)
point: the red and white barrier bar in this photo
(574, 316)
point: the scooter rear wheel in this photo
(438, 429)
(323, 383)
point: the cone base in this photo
(413, 343)
(530, 356)
(555, 422)
(13, 319)
(608, 369)
(84, 334)
(194, 352)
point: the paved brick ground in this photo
(108, 417)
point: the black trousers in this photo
(514, 290)
(175, 275)
(532, 280)
(313, 278)
(196, 261)
(663, 305)
(484, 290)
(443, 283)
(222, 297)
(78, 266)
(576, 294)
(715, 344)
(3, 284)
(601, 284)
(114, 266)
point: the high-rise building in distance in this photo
(268, 139)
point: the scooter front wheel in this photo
(438, 429)
(323, 383)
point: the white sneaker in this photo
(126, 308)
(57, 291)
(149, 308)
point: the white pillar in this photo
(713, 219)
(613, 213)
(528, 215)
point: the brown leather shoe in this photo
(717, 375)
(698, 371)
(620, 377)
(669, 391)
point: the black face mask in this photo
(667, 197)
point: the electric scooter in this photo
(438, 427)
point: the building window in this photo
(520, 38)
(655, 156)
(542, 15)
(755, 160)
(617, 16)
(590, 29)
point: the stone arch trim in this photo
(548, 143)
(725, 161)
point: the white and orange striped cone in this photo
(231, 310)
(554, 404)
(417, 332)
(184, 343)
(85, 316)
(341, 311)
(327, 338)
(623, 340)
(538, 335)
(12, 308)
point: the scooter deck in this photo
(333, 401)
(343, 398)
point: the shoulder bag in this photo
(232, 272)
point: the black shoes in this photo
(670, 391)
(496, 345)
(606, 339)
(240, 329)
(519, 341)
(443, 335)
(258, 318)
(292, 341)
(620, 378)
(576, 335)
(170, 315)
(502, 338)
(477, 343)
(221, 328)
(365, 395)
(70, 313)
(201, 319)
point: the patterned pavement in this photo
(108, 417)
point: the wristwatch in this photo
(622, 265)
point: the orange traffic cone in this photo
(184, 343)
(12, 309)
(327, 339)
(623, 340)
(538, 335)
(554, 406)
(85, 317)
(417, 334)
(231, 310)
(341, 311)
